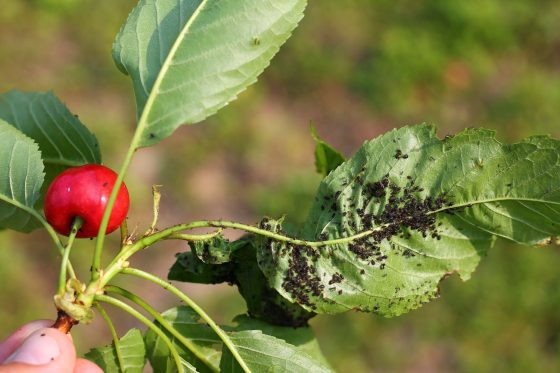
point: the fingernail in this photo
(37, 349)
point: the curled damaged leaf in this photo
(423, 208)
(263, 302)
(189, 268)
(216, 250)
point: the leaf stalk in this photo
(128, 309)
(196, 308)
(157, 316)
(111, 327)
(76, 225)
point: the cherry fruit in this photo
(84, 192)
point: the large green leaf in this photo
(132, 353)
(277, 343)
(189, 58)
(427, 208)
(188, 324)
(265, 353)
(63, 140)
(21, 177)
(302, 338)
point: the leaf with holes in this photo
(63, 140)
(21, 177)
(189, 58)
(130, 358)
(418, 209)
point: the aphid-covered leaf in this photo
(63, 140)
(263, 302)
(216, 250)
(426, 208)
(21, 177)
(132, 354)
(326, 157)
(189, 58)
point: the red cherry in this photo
(84, 192)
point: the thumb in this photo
(44, 351)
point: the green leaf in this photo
(300, 341)
(426, 208)
(265, 353)
(63, 140)
(186, 322)
(21, 177)
(189, 58)
(326, 157)
(132, 352)
(303, 338)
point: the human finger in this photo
(13, 341)
(46, 350)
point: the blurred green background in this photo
(355, 69)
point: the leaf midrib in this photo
(163, 71)
(490, 200)
(278, 357)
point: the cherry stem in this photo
(124, 233)
(76, 225)
(64, 322)
(116, 341)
